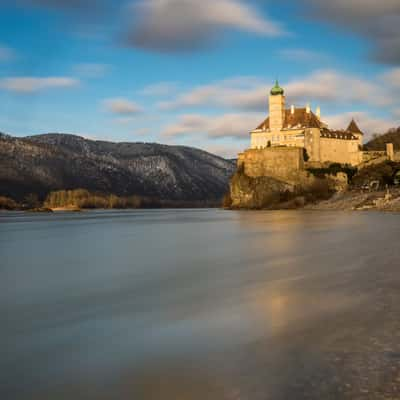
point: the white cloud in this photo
(392, 78)
(91, 70)
(396, 113)
(159, 89)
(122, 106)
(186, 25)
(224, 150)
(241, 92)
(235, 126)
(34, 84)
(367, 123)
(250, 93)
(6, 53)
(332, 86)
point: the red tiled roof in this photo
(300, 118)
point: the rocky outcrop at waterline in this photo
(271, 193)
(275, 178)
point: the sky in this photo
(192, 72)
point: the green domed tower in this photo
(276, 108)
(276, 90)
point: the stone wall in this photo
(340, 151)
(378, 156)
(372, 155)
(282, 163)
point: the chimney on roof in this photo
(308, 109)
(292, 109)
(318, 112)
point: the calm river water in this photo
(199, 304)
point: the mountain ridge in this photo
(54, 161)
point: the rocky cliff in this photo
(40, 164)
(267, 192)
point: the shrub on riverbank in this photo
(384, 173)
(7, 204)
(334, 169)
(82, 198)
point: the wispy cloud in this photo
(236, 126)
(122, 106)
(392, 78)
(240, 92)
(224, 150)
(303, 55)
(68, 5)
(333, 86)
(34, 84)
(159, 89)
(247, 93)
(396, 113)
(367, 123)
(91, 70)
(187, 25)
(6, 53)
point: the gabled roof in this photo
(300, 118)
(353, 127)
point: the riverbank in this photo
(360, 201)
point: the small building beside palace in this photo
(302, 128)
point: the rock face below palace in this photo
(269, 177)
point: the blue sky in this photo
(194, 73)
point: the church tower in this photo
(276, 108)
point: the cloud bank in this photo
(187, 25)
(234, 126)
(325, 86)
(91, 70)
(377, 21)
(33, 84)
(367, 123)
(122, 106)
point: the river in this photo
(199, 304)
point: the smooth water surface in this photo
(199, 304)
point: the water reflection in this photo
(197, 304)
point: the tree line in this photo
(82, 198)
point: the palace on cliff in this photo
(302, 128)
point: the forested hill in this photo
(43, 163)
(379, 141)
